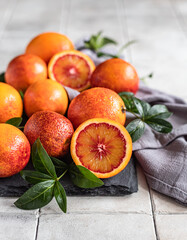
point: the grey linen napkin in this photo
(163, 157)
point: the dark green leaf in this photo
(15, 121)
(159, 125)
(41, 160)
(126, 94)
(101, 54)
(128, 99)
(59, 165)
(37, 196)
(21, 93)
(159, 111)
(146, 107)
(97, 41)
(2, 77)
(83, 178)
(139, 106)
(34, 177)
(136, 129)
(60, 196)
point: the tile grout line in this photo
(7, 16)
(37, 224)
(179, 17)
(153, 213)
(125, 26)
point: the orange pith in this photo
(101, 145)
(72, 69)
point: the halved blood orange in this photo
(72, 69)
(101, 145)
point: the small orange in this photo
(72, 69)
(24, 70)
(96, 103)
(117, 75)
(45, 45)
(14, 150)
(11, 104)
(45, 95)
(101, 145)
(53, 129)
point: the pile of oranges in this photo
(94, 120)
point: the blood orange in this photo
(101, 145)
(72, 69)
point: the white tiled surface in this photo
(160, 26)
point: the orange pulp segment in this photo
(72, 69)
(103, 146)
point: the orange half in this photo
(72, 69)
(101, 145)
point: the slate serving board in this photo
(122, 184)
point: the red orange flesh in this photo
(72, 69)
(101, 145)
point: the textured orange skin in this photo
(14, 150)
(53, 129)
(116, 74)
(45, 95)
(45, 45)
(24, 70)
(96, 103)
(11, 104)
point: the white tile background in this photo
(160, 26)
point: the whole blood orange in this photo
(101, 145)
(45, 95)
(45, 45)
(53, 129)
(11, 104)
(96, 103)
(117, 75)
(24, 70)
(72, 69)
(14, 150)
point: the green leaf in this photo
(21, 94)
(2, 77)
(125, 46)
(59, 165)
(96, 42)
(83, 178)
(101, 54)
(159, 125)
(41, 160)
(146, 107)
(136, 129)
(159, 111)
(37, 196)
(15, 121)
(126, 94)
(139, 106)
(34, 177)
(60, 196)
(128, 99)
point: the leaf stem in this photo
(62, 175)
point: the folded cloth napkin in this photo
(163, 157)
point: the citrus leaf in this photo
(159, 125)
(136, 129)
(101, 54)
(34, 177)
(139, 106)
(125, 46)
(60, 196)
(37, 196)
(41, 160)
(15, 121)
(159, 111)
(21, 94)
(83, 178)
(59, 165)
(2, 77)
